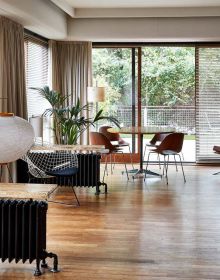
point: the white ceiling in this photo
(139, 3)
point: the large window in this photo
(116, 70)
(149, 85)
(36, 66)
(168, 91)
(207, 103)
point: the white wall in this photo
(145, 29)
(40, 16)
(46, 19)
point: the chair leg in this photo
(175, 163)
(111, 163)
(166, 167)
(125, 166)
(145, 150)
(148, 158)
(64, 203)
(182, 155)
(131, 156)
(75, 196)
(106, 162)
(114, 162)
(158, 158)
(106, 166)
(184, 178)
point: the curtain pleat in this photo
(72, 71)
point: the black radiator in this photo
(88, 174)
(23, 233)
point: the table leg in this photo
(142, 170)
(141, 151)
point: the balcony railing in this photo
(181, 117)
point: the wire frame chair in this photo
(58, 164)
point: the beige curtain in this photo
(12, 70)
(71, 71)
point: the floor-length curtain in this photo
(71, 71)
(12, 69)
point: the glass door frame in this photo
(136, 91)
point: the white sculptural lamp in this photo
(16, 138)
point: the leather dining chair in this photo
(115, 137)
(154, 142)
(97, 138)
(170, 146)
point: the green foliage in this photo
(70, 122)
(168, 76)
(112, 68)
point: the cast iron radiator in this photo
(23, 233)
(88, 174)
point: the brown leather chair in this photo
(97, 138)
(154, 142)
(115, 137)
(170, 146)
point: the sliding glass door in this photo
(168, 91)
(153, 85)
(207, 103)
(116, 70)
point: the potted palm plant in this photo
(70, 122)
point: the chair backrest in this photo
(173, 142)
(158, 137)
(109, 135)
(97, 138)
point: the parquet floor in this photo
(138, 231)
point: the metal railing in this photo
(181, 117)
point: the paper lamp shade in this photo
(96, 94)
(37, 124)
(16, 137)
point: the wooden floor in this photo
(138, 231)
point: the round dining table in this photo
(141, 131)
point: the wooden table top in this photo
(26, 191)
(80, 148)
(142, 130)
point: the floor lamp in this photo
(94, 95)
